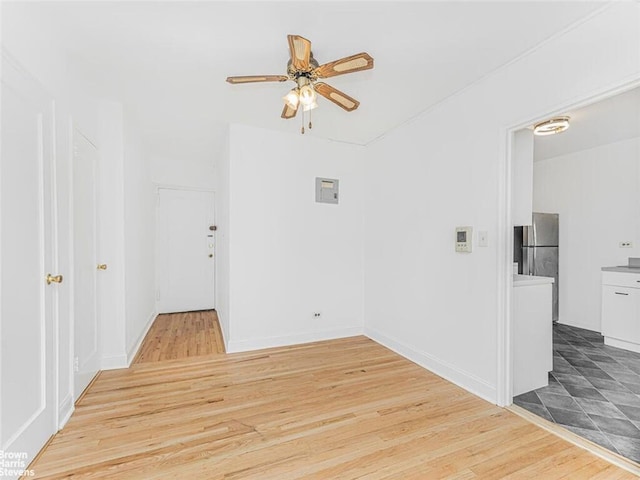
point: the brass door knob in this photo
(53, 279)
(102, 266)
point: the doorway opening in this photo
(592, 389)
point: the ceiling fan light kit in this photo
(305, 71)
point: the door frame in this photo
(166, 186)
(504, 384)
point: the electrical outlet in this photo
(625, 244)
(317, 314)
(76, 364)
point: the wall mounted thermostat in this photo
(326, 190)
(464, 237)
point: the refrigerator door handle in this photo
(526, 261)
(526, 241)
(532, 267)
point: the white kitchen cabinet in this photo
(532, 332)
(522, 177)
(621, 310)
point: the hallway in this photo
(181, 335)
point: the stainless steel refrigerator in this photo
(540, 251)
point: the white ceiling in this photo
(167, 61)
(611, 120)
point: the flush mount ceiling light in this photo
(551, 127)
(303, 69)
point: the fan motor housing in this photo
(294, 74)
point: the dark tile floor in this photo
(594, 391)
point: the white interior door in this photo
(185, 250)
(27, 303)
(86, 326)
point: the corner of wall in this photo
(246, 345)
(133, 350)
(65, 410)
(113, 362)
(449, 372)
(222, 264)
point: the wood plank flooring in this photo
(341, 409)
(181, 335)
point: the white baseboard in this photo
(112, 362)
(579, 325)
(134, 349)
(223, 332)
(449, 372)
(625, 345)
(65, 410)
(235, 346)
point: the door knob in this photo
(102, 266)
(53, 279)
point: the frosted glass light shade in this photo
(292, 99)
(552, 126)
(307, 95)
(311, 106)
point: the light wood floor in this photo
(181, 335)
(340, 409)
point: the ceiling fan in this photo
(305, 71)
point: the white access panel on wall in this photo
(327, 190)
(186, 250)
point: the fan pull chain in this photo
(302, 117)
(309, 119)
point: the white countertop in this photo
(526, 280)
(622, 269)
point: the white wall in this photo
(522, 177)
(597, 194)
(111, 235)
(291, 257)
(183, 172)
(443, 169)
(140, 238)
(126, 230)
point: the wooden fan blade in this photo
(354, 63)
(300, 49)
(288, 112)
(336, 96)
(257, 78)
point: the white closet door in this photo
(86, 327)
(27, 303)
